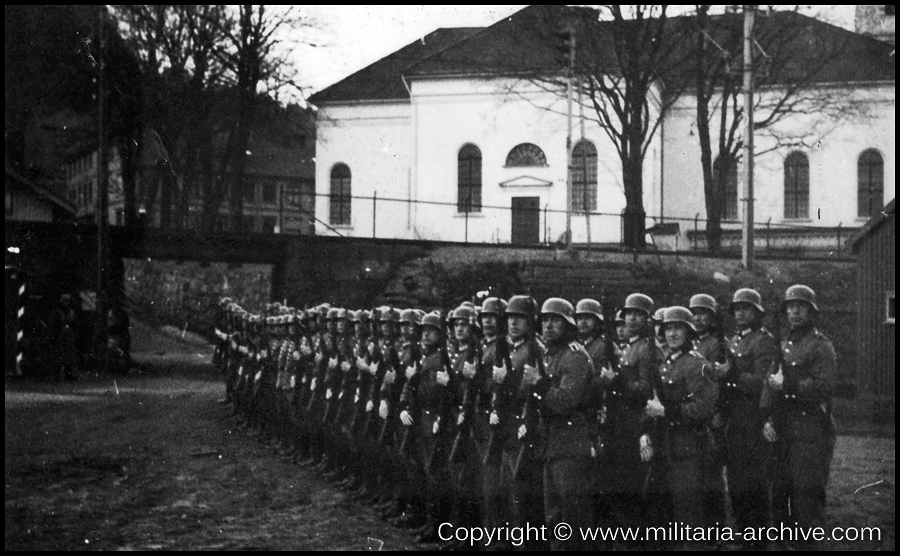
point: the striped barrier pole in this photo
(20, 330)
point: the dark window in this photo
(796, 186)
(268, 193)
(526, 154)
(249, 192)
(870, 183)
(340, 195)
(731, 188)
(469, 179)
(268, 224)
(584, 177)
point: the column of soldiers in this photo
(511, 414)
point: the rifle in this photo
(494, 450)
(385, 431)
(463, 430)
(412, 385)
(442, 409)
(655, 383)
(528, 415)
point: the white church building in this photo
(442, 141)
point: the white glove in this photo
(411, 372)
(328, 394)
(776, 381)
(460, 419)
(319, 357)
(500, 374)
(356, 397)
(530, 375)
(373, 368)
(332, 363)
(769, 432)
(494, 418)
(258, 376)
(305, 350)
(345, 366)
(241, 370)
(312, 385)
(361, 364)
(523, 430)
(372, 348)
(655, 407)
(390, 377)
(436, 427)
(370, 405)
(383, 409)
(443, 378)
(646, 448)
(469, 370)
(296, 355)
(406, 418)
(293, 381)
(607, 374)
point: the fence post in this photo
(840, 244)
(374, 203)
(696, 231)
(768, 234)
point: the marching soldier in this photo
(568, 465)
(684, 407)
(801, 425)
(753, 357)
(621, 339)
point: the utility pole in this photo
(102, 193)
(570, 68)
(747, 249)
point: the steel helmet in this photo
(748, 296)
(799, 292)
(639, 302)
(659, 315)
(270, 321)
(703, 301)
(389, 314)
(524, 305)
(679, 314)
(376, 314)
(493, 306)
(433, 319)
(353, 316)
(589, 307)
(364, 316)
(561, 307)
(465, 313)
(412, 316)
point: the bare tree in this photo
(793, 54)
(618, 62)
(207, 70)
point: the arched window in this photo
(526, 154)
(468, 179)
(796, 186)
(339, 214)
(584, 177)
(870, 183)
(731, 187)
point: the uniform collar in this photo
(635, 339)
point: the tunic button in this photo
(787, 350)
(569, 423)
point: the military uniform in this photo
(753, 354)
(801, 417)
(688, 392)
(568, 465)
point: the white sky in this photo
(349, 38)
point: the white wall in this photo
(835, 142)
(375, 141)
